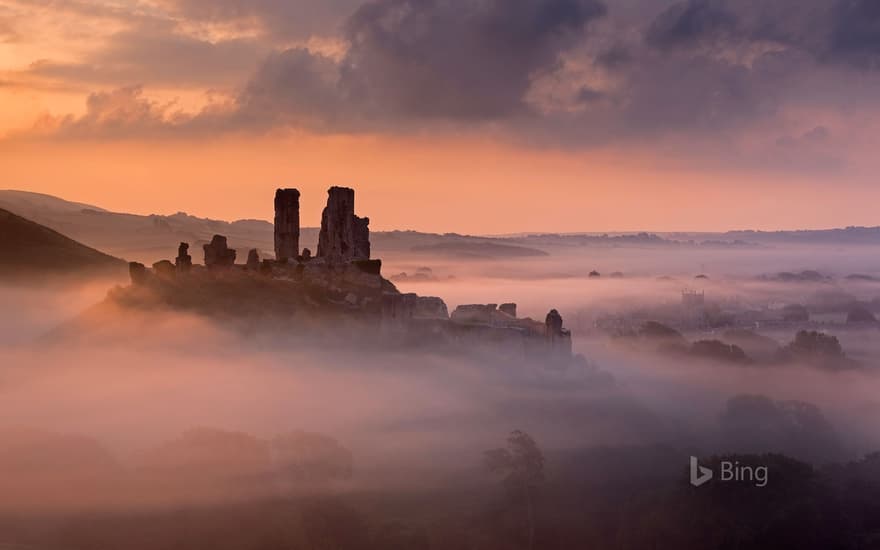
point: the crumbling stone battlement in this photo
(286, 224)
(253, 260)
(509, 309)
(218, 254)
(475, 313)
(558, 338)
(184, 261)
(344, 236)
(430, 307)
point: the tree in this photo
(330, 524)
(522, 465)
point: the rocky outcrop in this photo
(343, 236)
(184, 261)
(286, 224)
(218, 254)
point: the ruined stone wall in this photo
(558, 339)
(286, 224)
(509, 309)
(474, 313)
(430, 307)
(218, 254)
(361, 238)
(343, 235)
(183, 262)
(397, 311)
(253, 260)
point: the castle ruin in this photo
(342, 279)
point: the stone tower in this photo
(558, 339)
(343, 236)
(286, 224)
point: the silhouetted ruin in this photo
(558, 339)
(164, 269)
(286, 224)
(138, 273)
(430, 307)
(341, 280)
(344, 236)
(253, 260)
(183, 262)
(218, 254)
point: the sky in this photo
(474, 116)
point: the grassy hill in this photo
(28, 248)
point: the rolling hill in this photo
(28, 248)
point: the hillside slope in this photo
(27, 248)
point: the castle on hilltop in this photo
(339, 279)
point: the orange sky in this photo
(428, 185)
(72, 125)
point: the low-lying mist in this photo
(154, 409)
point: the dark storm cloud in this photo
(856, 34)
(688, 22)
(614, 57)
(833, 31)
(472, 61)
(294, 87)
(428, 59)
(699, 65)
(589, 95)
(699, 93)
(701, 71)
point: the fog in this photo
(99, 404)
